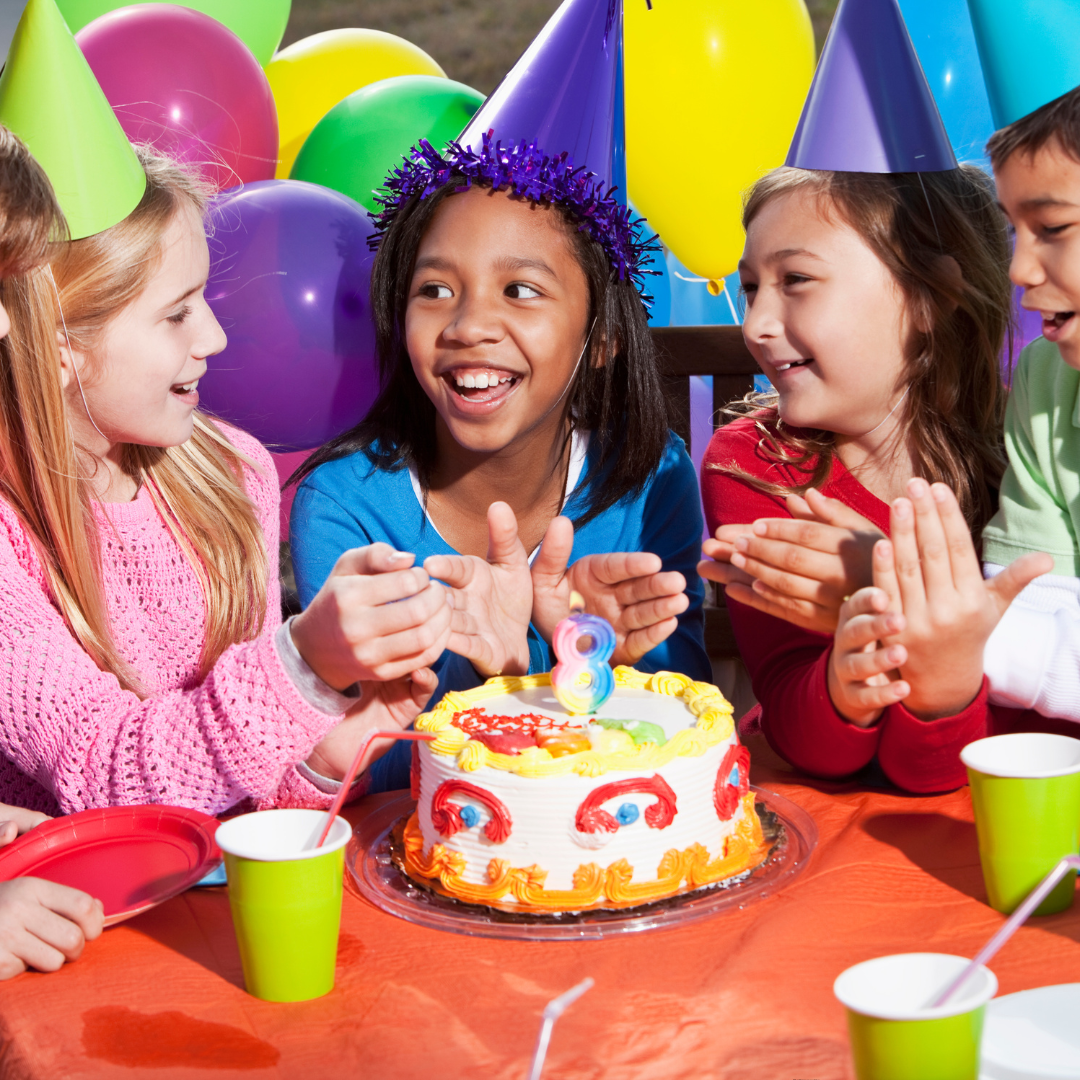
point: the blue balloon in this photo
(945, 44)
(693, 305)
(290, 273)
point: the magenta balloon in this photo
(186, 84)
(290, 270)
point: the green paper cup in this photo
(896, 1035)
(285, 900)
(1025, 789)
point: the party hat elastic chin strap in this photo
(71, 353)
(888, 414)
(577, 366)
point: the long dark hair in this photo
(955, 405)
(616, 395)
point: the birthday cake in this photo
(523, 805)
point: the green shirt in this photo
(1040, 492)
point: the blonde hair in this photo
(197, 488)
(953, 411)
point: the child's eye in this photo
(180, 316)
(520, 291)
(748, 289)
(795, 279)
(434, 291)
(1055, 230)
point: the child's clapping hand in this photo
(919, 633)
(799, 568)
(42, 924)
(629, 589)
(377, 617)
(492, 598)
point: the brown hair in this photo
(1057, 120)
(954, 408)
(197, 487)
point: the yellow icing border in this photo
(745, 848)
(714, 725)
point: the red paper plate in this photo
(130, 857)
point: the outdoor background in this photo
(475, 41)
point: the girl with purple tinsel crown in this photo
(521, 410)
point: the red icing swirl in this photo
(590, 818)
(446, 816)
(726, 795)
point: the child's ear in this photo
(948, 269)
(604, 353)
(67, 359)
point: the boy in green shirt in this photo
(1033, 657)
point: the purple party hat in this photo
(548, 133)
(869, 108)
(561, 93)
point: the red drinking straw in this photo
(354, 768)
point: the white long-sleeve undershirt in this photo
(1032, 658)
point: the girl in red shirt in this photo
(877, 305)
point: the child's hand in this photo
(931, 572)
(383, 706)
(492, 600)
(626, 588)
(863, 676)
(718, 551)
(376, 617)
(42, 924)
(14, 821)
(800, 568)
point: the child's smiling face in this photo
(496, 317)
(825, 318)
(142, 386)
(1040, 193)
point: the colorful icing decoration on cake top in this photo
(536, 746)
(582, 679)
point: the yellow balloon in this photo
(714, 89)
(312, 75)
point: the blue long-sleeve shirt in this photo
(349, 503)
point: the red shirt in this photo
(788, 665)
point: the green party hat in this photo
(51, 100)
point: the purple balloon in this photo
(290, 273)
(186, 84)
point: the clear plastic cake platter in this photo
(376, 877)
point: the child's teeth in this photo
(469, 382)
(481, 382)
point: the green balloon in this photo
(259, 24)
(361, 139)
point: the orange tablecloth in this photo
(744, 996)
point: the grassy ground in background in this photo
(476, 41)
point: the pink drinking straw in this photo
(1011, 925)
(347, 779)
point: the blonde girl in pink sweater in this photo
(142, 655)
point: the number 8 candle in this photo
(582, 679)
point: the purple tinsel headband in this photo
(532, 174)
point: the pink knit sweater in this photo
(72, 738)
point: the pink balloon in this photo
(186, 84)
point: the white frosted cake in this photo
(524, 806)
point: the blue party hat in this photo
(869, 108)
(1030, 53)
(561, 94)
